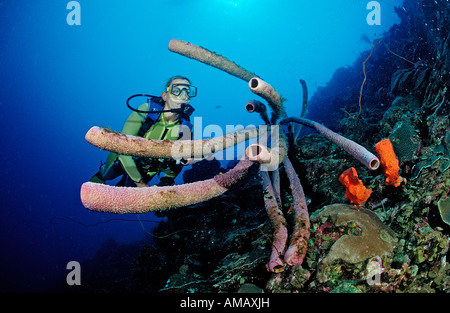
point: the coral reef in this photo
(399, 239)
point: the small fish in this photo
(365, 39)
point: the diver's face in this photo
(174, 102)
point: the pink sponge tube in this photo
(298, 245)
(359, 152)
(278, 222)
(259, 153)
(126, 144)
(111, 199)
(268, 93)
(210, 58)
(187, 149)
(257, 106)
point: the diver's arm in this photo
(134, 121)
(131, 127)
(129, 166)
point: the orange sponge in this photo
(355, 192)
(389, 162)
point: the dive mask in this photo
(177, 89)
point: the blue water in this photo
(56, 81)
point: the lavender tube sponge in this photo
(120, 200)
(359, 152)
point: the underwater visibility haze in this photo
(58, 78)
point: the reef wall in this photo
(223, 245)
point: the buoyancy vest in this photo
(157, 105)
(146, 165)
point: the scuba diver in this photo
(161, 118)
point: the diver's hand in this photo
(141, 184)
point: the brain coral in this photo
(376, 239)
